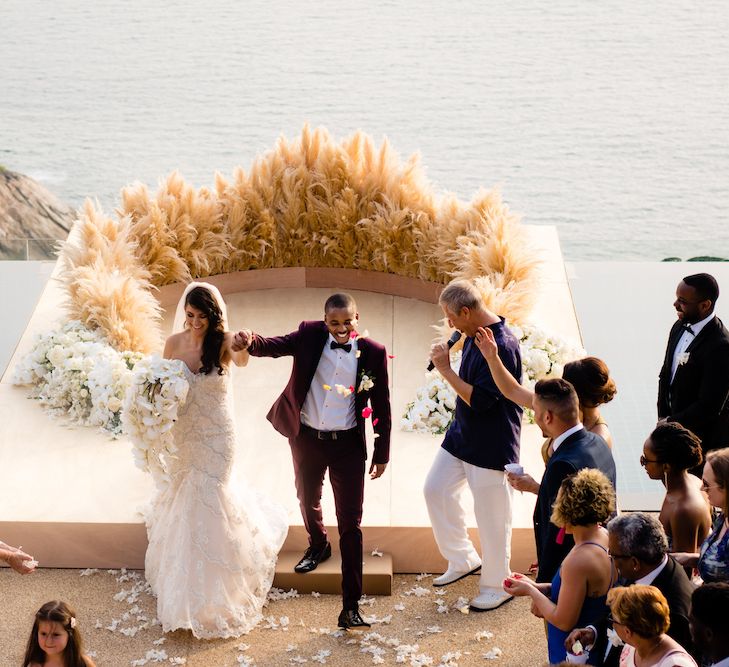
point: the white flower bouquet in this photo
(543, 355)
(74, 371)
(157, 389)
(434, 405)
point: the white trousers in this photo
(492, 496)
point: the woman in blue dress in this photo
(577, 595)
(712, 560)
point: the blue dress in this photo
(592, 612)
(714, 555)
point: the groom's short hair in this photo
(340, 300)
(560, 397)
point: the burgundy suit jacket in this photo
(305, 345)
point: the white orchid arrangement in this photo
(157, 390)
(543, 355)
(76, 372)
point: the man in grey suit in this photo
(639, 549)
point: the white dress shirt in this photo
(651, 576)
(686, 340)
(328, 410)
(562, 437)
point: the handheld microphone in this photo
(455, 337)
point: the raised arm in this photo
(235, 347)
(504, 380)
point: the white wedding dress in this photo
(212, 547)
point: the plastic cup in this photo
(578, 659)
(514, 468)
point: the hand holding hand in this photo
(377, 470)
(517, 584)
(586, 637)
(241, 340)
(523, 482)
(440, 356)
(486, 342)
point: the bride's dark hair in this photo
(203, 300)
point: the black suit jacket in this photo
(677, 589)
(697, 397)
(580, 450)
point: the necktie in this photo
(347, 347)
(688, 328)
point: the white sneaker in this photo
(452, 575)
(489, 599)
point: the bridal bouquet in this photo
(75, 371)
(543, 355)
(157, 390)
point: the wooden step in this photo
(327, 578)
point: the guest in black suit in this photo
(556, 411)
(693, 385)
(708, 622)
(639, 548)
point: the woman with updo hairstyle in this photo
(640, 617)
(669, 452)
(577, 595)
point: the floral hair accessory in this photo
(73, 623)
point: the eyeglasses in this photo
(618, 556)
(644, 460)
(706, 486)
(614, 621)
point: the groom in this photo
(322, 412)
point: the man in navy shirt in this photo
(482, 439)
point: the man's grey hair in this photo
(640, 535)
(459, 294)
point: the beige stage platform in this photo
(71, 495)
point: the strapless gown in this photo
(212, 548)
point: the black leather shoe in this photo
(312, 558)
(349, 619)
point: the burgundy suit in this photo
(345, 457)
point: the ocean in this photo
(607, 119)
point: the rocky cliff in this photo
(32, 219)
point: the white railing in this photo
(28, 249)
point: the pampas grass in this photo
(312, 202)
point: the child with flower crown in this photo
(55, 640)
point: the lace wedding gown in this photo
(212, 547)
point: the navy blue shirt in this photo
(486, 433)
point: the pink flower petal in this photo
(374, 421)
(367, 412)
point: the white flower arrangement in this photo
(543, 355)
(75, 371)
(157, 389)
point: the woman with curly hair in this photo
(577, 595)
(640, 618)
(668, 454)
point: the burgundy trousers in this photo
(344, 458)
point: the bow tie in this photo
(687, 327)
(347, 347)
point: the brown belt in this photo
(329, 435)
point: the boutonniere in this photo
(613, 638)
(366, 381)
(683, 358)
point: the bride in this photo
(212, 548)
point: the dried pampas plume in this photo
(312, 202)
